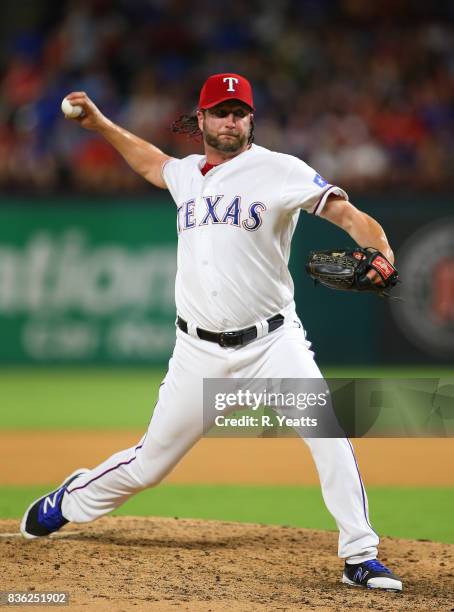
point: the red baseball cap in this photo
(226, 86)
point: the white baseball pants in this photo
(177, 424)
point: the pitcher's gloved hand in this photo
(356, 269)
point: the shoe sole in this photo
(346, 580)
(30, 536)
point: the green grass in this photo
(77, 398)
(92, 398)
(413, 513)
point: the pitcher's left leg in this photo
(286, 354)
(345, 497)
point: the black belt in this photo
(232, 338)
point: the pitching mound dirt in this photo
(125, 563)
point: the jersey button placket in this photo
(208, 233)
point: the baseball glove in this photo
(347, 270)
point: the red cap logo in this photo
(227, 86)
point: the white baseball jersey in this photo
(235, 226)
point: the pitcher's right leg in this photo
(176, 425)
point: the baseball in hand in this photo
(69, 110)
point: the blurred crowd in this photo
(362, 91)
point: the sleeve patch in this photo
(320, 181)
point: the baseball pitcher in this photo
(237, 206)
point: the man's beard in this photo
(225, 146)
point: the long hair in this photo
(189, 125)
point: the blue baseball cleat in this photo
(44, 515)
(371, 575)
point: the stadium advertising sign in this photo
(88, 286)
(425, 313)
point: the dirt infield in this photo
(28, 457)
(158, 564)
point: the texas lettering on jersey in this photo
(219, 211)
